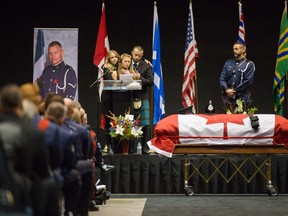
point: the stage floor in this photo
(199, 204)
(121, 206)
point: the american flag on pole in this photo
(191, 52)
(241, 32)
(159, 103)
(102, 47)
(40, 57)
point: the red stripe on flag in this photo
(102, 48)
(189, 77)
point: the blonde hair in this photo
(76, 115)
(29, 110)
(108, 63)
(120, 67)
(30, 92)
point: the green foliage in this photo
(238, 108)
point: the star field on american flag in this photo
(189, 81)
(189, 36)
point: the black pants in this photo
(71, 193)
(45, 197)
(85, 194)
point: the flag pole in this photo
(196, 93)
(196, 80)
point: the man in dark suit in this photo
(143, 69)
(26, 155)
(71, 187)
(84, 163)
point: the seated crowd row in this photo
(48, 154)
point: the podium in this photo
(122, 94)
(120, 85)
(122, 99)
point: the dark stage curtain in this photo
(158, 174)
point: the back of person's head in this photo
(84, 118)
(76, 115)
(29, 110)
(77, 105)
(31, 92)
(70, 106)
(10, 98)
(52, 97)
(48, 97)
(56, 112)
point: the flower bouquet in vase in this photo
(125, 129)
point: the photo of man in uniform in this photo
(56, 61)
(58, 77)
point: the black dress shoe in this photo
(93, 206)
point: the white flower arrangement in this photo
(125, 127)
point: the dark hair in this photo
(10, 96)
(52, 97)
(55, 43)
(56, 111)
(239, 43)
(138, 48)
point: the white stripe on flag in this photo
(40, 56)
(159, 103)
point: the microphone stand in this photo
(99, 79)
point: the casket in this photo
(218, 129)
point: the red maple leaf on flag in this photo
(224, 118)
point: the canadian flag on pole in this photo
(101, 49)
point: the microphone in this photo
(98, 80)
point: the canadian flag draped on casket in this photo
(217, 129)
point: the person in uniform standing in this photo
(58, 77)
(237, 76)
(84, 163)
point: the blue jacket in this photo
(237, 75)
(84, 163)
(60, 79)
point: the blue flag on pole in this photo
(159, 108)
